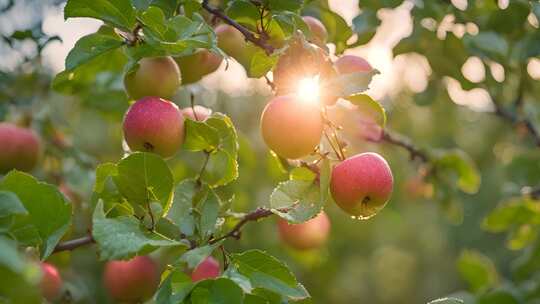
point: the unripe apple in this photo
(21, 148)
(347, 64)
(156, 76)
(197, 65)
(231, 41)
(361, 185)
(154, 125)
(207, 269)
(51, 282)
(309, 235)
(318, 30)
(132, 281)
(290, 127)
(197, 112)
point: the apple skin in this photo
(132, 281)
(156, 76)
(207, 269)
(202, 113)
(51, 282)
(21, 148)
(309, 235)
(347, 64)
(154, 125)
(291, 128)
(197, 65)
(231, 41)
(362, 184)
(318, 30)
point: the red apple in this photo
(154, 125)
(158, 76)
(197, 65)
(318, 30)
(207, 269)
(51, 282)
(347, 64)
(290, 127)
(132, 281)
(21, 148)
(361, 185)
(197, 112)
(309, 235)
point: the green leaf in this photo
(194, 257)
(521, 237)
(200, 136)
(350, 84)
(324, 179)
(499, 296)
(174, 288)
(487, 45)
(477, 270)
(219, 291)
(118, 13)
(369, 108)
(181, 210)
(365, 26)
(221, 169)
(516, 212)
(447, 301)
(243, 12)
(209, 210)
(89, 47)
(143, 178)
(285, 5)
(124, 237)
(11, 205)
(261, 64)
(300, 199)
(48, 211)
(228, 139)
(338, 29)
(459, 163)
(303, 174)
(104, 171)
(265, 271)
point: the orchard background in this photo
(451, 104)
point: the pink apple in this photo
(154, 125)
(132, 281)
(318, 30)
(347, 64)
(290, 127)
(361, 185)
(197, 112)
(309, 235)
(51, 282)
(207, 269)
(21, 148)
(158, 76)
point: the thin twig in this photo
(247, 34)
(414, 152)
(256, 215)
(73, 244)
(516, 121)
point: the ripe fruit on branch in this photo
(233, 43)
(309, 235)
(207, 269)
(132, 281)
(318, 30)
(21, 148)
(291, 128)
(154, 125)
(157, 76)
(51, 282)
(197, 112)
(347, 64)
(361, 185)
(197, 65)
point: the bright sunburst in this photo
(308, 90)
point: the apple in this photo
(197, 65)
(156, 76)
(207, 269)
(318, 30)
(362, 184)
(197, 112)
(309, 235)
(154, 125)
(347, 64)
(51, 282)
(21, 148)
(132, 281)
(231, 41)
(290, 127)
